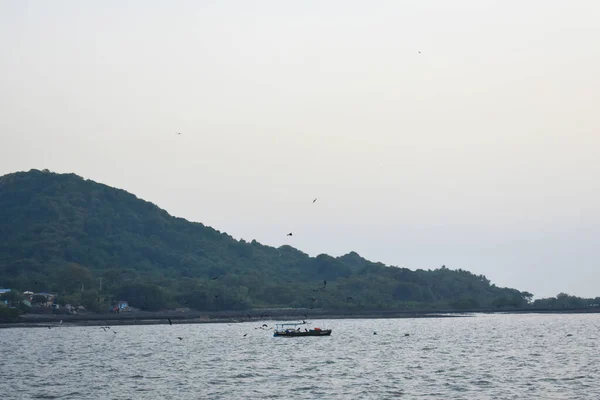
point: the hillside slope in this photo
(59, 232)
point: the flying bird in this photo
(245, 334)
(348, 298)
(289, 234)
(324, 283)
(170, 323)
(49, 327)
(314, 201)
(178, 133)
(215, 278)
(313, 299)
(180, 338)
(60, 323)
(265, 325)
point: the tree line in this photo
(93, 245)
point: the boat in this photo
(294, 330)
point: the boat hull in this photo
(324, 332)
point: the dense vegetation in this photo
(563, 300)
(93, 244)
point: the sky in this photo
(462, 133)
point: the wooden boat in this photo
(292, 330)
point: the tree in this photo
(39, 299)
(76, 277)
(11, 297)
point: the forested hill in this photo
(59, 233)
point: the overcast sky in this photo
(464, 133)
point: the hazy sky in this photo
(464, 133)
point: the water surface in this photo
(480, 357)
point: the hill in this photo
(94, 244)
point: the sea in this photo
(499, 356)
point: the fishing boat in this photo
(295, 330)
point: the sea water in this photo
(499, 356)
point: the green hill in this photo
(61, 233)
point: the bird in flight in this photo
(179, 133)
(289, 234)
(180, 338)
(349, 298)
(314, 201)
(215, 278)
(324, 283)
(245, 334)
(170, 323)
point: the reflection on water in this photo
(482, 357)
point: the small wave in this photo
(136, 376)
(247, 375)
(481, 382)
(73, 394)
(303, 388)
(396, 393)
(456, 388)
(574, 378)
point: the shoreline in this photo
(196, 317)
